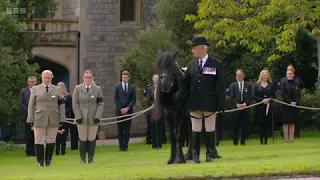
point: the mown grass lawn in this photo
(141, 162)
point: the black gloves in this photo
(79, 121)
(96, 120)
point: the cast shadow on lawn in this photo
(262, 176)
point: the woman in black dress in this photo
(62, 138)
(263, 91)
(290, 93)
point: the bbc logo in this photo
(16, 10)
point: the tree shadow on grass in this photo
(261, 176)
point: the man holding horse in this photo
(205, 89)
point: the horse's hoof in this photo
(180, 160)
(170, 161)
(188, 157)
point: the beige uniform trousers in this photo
(209, 122)
(87, 132)
(45, 135)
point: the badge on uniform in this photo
(92, 97)
(209, 70)
(53, 96)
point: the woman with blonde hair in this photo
(46, 111)
(263, 91)
(62, 138)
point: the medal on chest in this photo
(209, 70)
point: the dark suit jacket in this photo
(68, 105)
(235, 93)
(123, 100)
(206, 90)
(295, 78)
(24, 102)
(150, 95)
(258, 94)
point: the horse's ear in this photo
(175, 54)
(159, 52)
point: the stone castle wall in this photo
(102, 39)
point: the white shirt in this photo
(88, 86)
(46, 85)
(123, 86)
(241, 90)
(204, 60)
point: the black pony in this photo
(176, 115)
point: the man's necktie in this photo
(241, 90)
(88, 90)
(47, 88)
(125, 88)
(200, 66)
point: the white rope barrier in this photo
(296, 106)
(136, 114)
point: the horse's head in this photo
(167, 68)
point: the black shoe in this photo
(209, 139)
(83, 150)
(57, 153)
(49, 153)
(39, 148)
(91, 150)
(209, 155)
(214, 149)
(195, 157)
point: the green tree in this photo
(172, 13)
(37, 9)
(15, 50)
(141, 55)
(258, 24)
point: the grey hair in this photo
(61, 84)
(204, 47)
(88, 71)
(47, 72)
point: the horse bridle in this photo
(170, 77)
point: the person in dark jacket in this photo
(204, 88)
(145, 94)
(24, 101)
(291, 94)
(124, 98)
(219, 121)
(158, 131)
(240, 94)
(263, 91)
(302, 91)
(62, 137)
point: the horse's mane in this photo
(166, 63)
